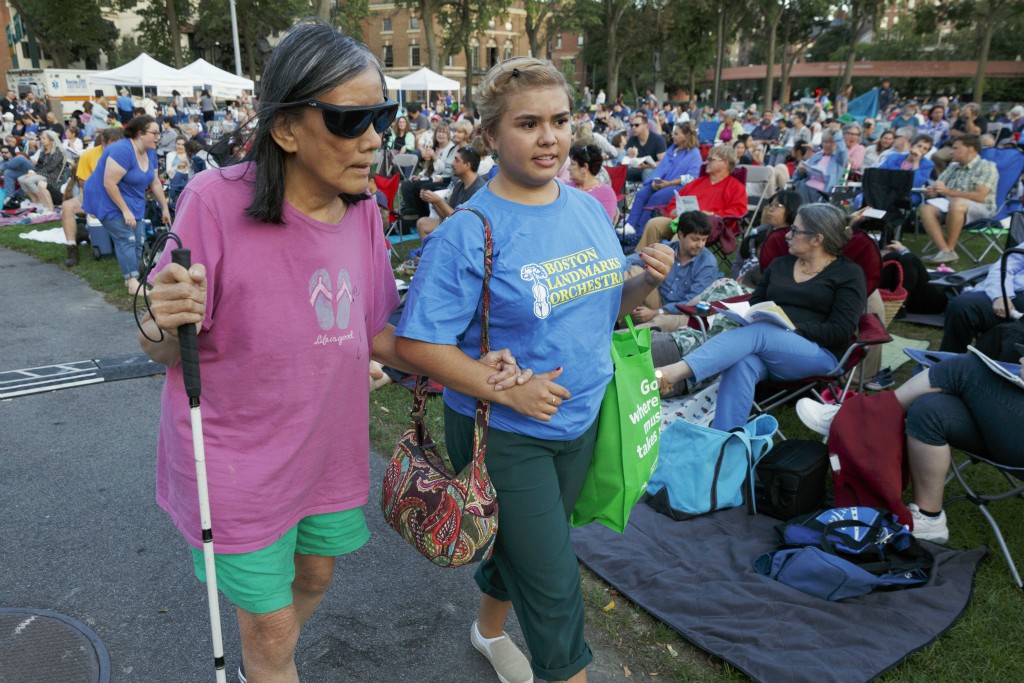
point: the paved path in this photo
(81, 534)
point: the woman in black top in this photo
(821, 291)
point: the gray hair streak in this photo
(313, 58)
(829, 222)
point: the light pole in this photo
(234, 39)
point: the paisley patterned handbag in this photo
(451, 519)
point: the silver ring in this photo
(552, 401)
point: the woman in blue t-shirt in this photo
(116, 192)
(556, 290)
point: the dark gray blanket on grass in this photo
(697, 576)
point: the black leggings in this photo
(922, 296)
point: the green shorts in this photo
(261, 581)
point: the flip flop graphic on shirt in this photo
(321, 298)
(344, 298)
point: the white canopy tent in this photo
(224, 82)
(392, 83)
(427, 80)
(145, 71)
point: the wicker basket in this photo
(893, 299)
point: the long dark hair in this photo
(312, 59)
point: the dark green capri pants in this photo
(534, 564)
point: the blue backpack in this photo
(846, 552)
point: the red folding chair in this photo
(389, 186)
(617, 174)
(870, 332)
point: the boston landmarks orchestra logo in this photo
(332, 306)
(566, 278)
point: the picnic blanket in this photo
(33, 219)
(698, 578)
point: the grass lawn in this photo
(981, 647)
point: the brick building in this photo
(396, 36)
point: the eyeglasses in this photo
(797, 231)
(152, 132)
(352, 121)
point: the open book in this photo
(638, 161)
(766, 311)
(1008, 371)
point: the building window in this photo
(492, 56)
(24, 51)
(507, 50)
(491, 25)
(414, 23)
(579, 40)
(450, 60)
(558, 42)
(414, 54)
(388, 56)
(508, 25)
(386, 24)
(474, 53)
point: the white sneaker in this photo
(628, 230)
(942, 257)
(816, 416)
(508, 661)
(927, 528)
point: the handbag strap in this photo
(483, 408)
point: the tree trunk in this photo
(986, 43)
(855, 25)
(469, 76)
(250, 47)
(692, 82)
(612, 19)
(787, 65)
(769, 80)
(427, 19)
(172, 22)
(719, 53)
(323, 8)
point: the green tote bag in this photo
(629, 426)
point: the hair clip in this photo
(515, 73)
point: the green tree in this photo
(801, 21)
(257, 19)
(460, 21)
(771, 13)
(159, 33)
(540, 15)
(862, 16)
(427, 11)
(982, 17)
(349, 16)
(69, 31)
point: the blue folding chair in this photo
(1010, 163)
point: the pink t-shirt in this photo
(818, 181)
(604, 194)
(291, 313)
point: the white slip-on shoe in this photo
(508, 661)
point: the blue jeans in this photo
(747, 355)
(646, 196)
(128, 244)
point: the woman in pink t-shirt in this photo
(290, 289)
(584, 165)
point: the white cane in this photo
(190, 372)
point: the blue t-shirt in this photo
(556, 287)
(125, 103)
(133, 185)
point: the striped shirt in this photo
(967, 178)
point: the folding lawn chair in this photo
(1014, 476)
(389, 186)
(758, 178)
(870, 332)
(406, 164)
(1010, 163)
(888, 190)
(617, 175)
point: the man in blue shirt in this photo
(695, 268)
(13, 166)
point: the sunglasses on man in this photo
(352, 121)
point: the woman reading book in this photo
(821, 291)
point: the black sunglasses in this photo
(352, 121)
